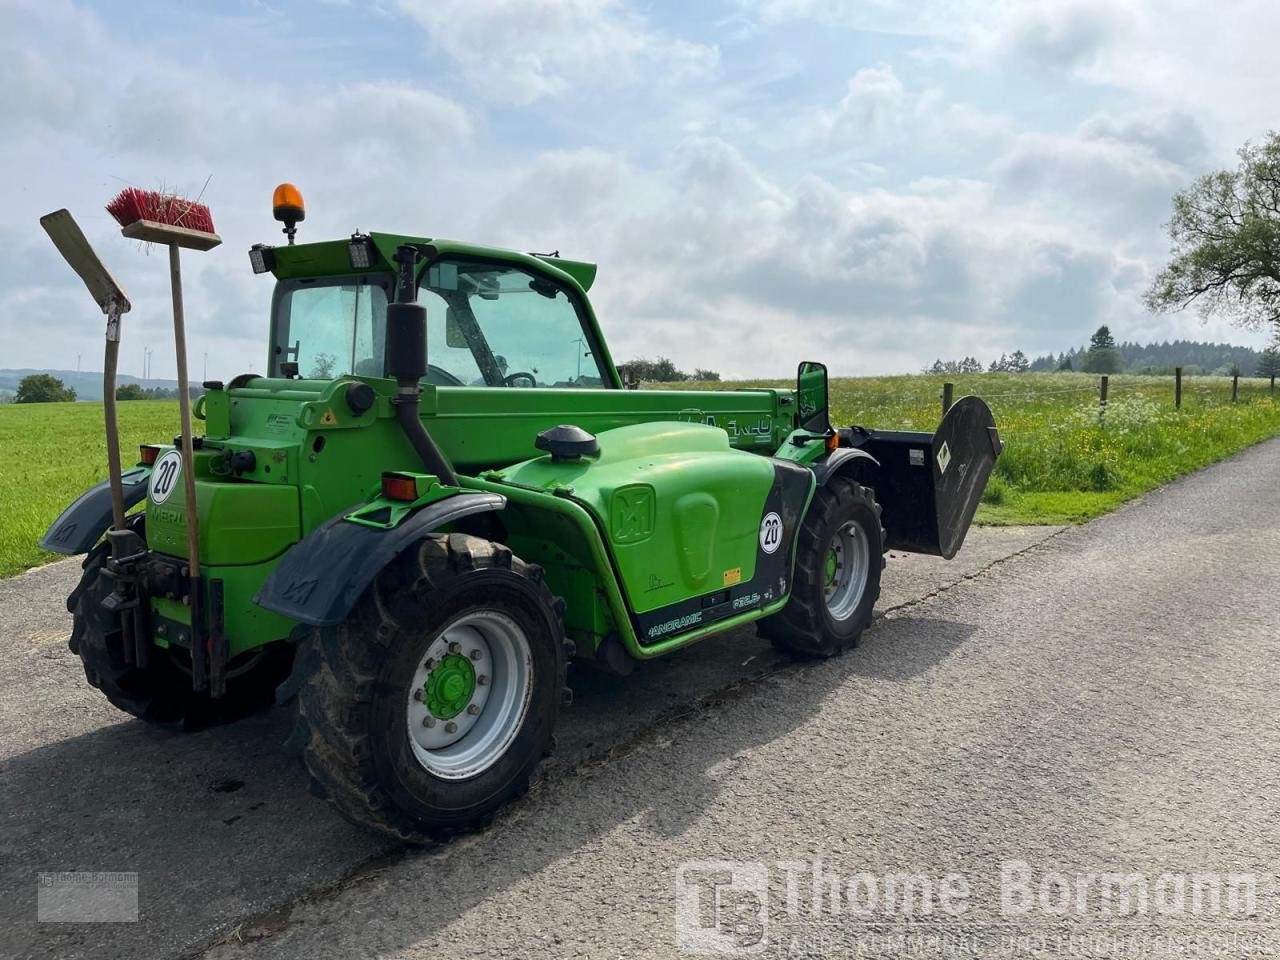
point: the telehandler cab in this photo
(441, 493)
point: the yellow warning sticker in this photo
(328, 419)
(732, 576)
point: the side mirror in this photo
(812, 398)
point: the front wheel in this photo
(839, 557)
(434, 702)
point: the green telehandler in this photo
(441, 492)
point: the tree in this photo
(1064, 365)
(1225, 242)
(1269, 362)
(322, 368)
(43, 388)
(130, 391)
(1102, 339)
(1102, 355)
(664, 370)
(1018, 362)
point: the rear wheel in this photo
(839, 557)
(434, 702)
(161, 692)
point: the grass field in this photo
(1060, 463)
(50, 453)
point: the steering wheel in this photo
(510, 379)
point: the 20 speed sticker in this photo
(770, 532)
(164, 476)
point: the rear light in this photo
(148, 454)
(400, 486)
(833, 440)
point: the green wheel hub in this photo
(450, 686)
(832, 567)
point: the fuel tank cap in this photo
(567, 442)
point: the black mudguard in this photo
(323, 575)
(82, 523)
(929, 485)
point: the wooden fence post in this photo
(1235, 387)
(948, 391)
(1102, 391)
(1177, 387)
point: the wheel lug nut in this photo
(429, 663)
(476, 654)
(474, 710)
(450, 727)
(418, 695)
(483, 680)
(428, 721)
(455, 648)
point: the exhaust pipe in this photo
(406, 360)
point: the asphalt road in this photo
(1094, 701)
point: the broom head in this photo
(163, 218)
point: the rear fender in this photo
(87, 519)
(322, 576)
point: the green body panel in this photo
(239, 522)
(679, 508)
(479, 427)
(564, 536)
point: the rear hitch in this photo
(124, 567)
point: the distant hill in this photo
(1193, 356)
(87, 384)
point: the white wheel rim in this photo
(848, 563)
(465, 744)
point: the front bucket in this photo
(929, 486)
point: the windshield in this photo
(487, 325)
(328, 327)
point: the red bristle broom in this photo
(158, 217)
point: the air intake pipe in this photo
(406, 361)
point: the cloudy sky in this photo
(872, 182)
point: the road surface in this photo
(1052, 707)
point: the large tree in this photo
(1102, 355)
(1225, 235)
(43, 388)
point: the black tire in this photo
(805, 626)
(161, 692)
(352, 725)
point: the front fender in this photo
(322, 576)
(87, 519)
(840, 461)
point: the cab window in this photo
(499, 326)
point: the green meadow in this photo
(1063, 462)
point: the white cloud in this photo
(735, 228)
(878, 113)
(519, 51)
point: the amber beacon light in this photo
(286, 206)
